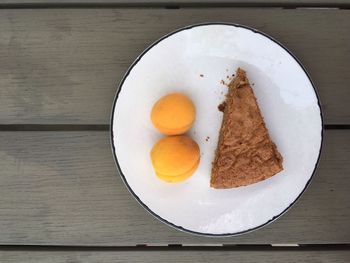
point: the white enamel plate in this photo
(194, 60)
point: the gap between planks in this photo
(40, 4)
(179, 247)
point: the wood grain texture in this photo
(62, 188)
(183, 2)
(176, 256)
(62, 66)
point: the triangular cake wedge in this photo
(245, 153)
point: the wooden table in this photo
(61, 198)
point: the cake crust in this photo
(245, 153)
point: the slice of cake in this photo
(245, 153)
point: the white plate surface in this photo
(286, 98)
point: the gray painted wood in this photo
(62, 66)
(176, 256)
(62, 188)
(184, 2)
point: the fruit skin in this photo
(173, 114)
(175, 158)
(178, 178)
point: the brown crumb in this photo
(222, 106)
(222, 82)
(227, 77)
(207, 139)
(245, 154)
(201, 75)
(233, 75)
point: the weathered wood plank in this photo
(62, 66)
(176, 256)
(184, 2)
(62, 188)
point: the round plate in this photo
(194, 60)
